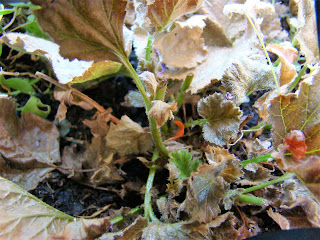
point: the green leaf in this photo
(182, 159)
(6, 11)
(34, 105)
(23, 85)
(33, 28)
(85, 29)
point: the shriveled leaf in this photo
(162, 111)
(29, 141)
(247, 75)
(133, 99)
(74, 71)
(287, 55)
(183, 47)
(216, 155)
(298, 111)
(158, 14)
(128, 137)
(223, 118)
(295, 143)
(67, 98)
(84, 29)
(207, 187)
(255, 174)
(150, 82)
(306, 25)
(99, 125)
(183, 160)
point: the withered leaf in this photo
(30, 141)
(183, 47)
(23, 216)
(128, 137)
(223, 118)
(99, 125)
(66, 71)
(162, 111)
(216, 155)
(298, 111)
(207, 187)
(247, 75)
(85, 29)
(158, 14)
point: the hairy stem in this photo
(296, 81)
(252, 200)
(152, 121)
(149, 47)
(196, 122)
(120, 219)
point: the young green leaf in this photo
(85, 29)
(223, 118)
(182, 159)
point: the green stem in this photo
(262, 158)
(120, 219)
(196, 122)
(149, 47)
(152, 121)
(252, 200)
(184, 87)
(265, 50)
(148, 210)
(160, 92)
(296, 81)
(266, 184)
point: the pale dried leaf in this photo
(29, 141)
(217, 155)
(207, 187)
(133, 99)
(150, 82)
(162, 111)
(255, 174)
(128, 137)
(23, 216)
(282, 221)
(99, 125)
(87, 30)
(74, 71)
(307, 30)
(183, 47)
(287, 55)
(223, 118)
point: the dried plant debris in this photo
(223, 118)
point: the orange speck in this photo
(179, 133)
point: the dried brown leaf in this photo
(98, 126)
(162, 111)
(150, 82)
(255, 174)
(156, 15)
(217, 155)
(30, 141)
(207, 187)
(223, 118)
(287, 55)
(87, 30)
(182, 47)
(128, 137)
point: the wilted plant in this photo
(199, 43)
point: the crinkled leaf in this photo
(23, 216)
(298, 111)
(162, 111)
(295, 143)
(183, 160)
(30, 140)
(216, 155)
(223, 118)
(247, 75)
(99, 125)
(207, 187)
(183, 47)
(128, 137)
(74, 71)
(158, 14)
(85, 29)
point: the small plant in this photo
(198, 43)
